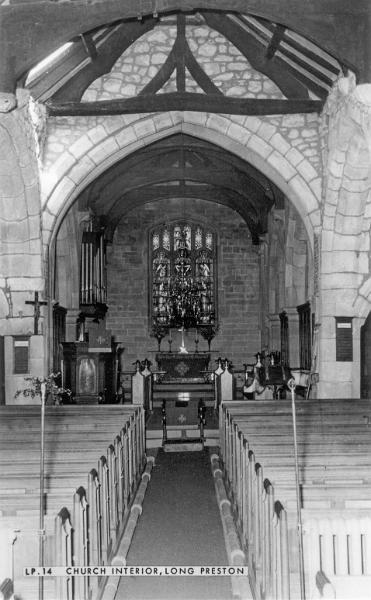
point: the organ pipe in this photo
(92, 267)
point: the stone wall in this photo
(227, 68)
(326, 176)
(238, 282)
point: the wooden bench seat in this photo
(313, 459)
(32, 481)
(309, 413)
(61, 421)
(359, 420)
(325, 497)
(312, 405)
(23, 504)
(278, 433)
(60, 441)
(320, 474)
(51, 468)
(307, 448)
(334, 456)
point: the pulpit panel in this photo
(89, 373)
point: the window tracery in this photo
(182, 275)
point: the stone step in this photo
(186, 385)
(191, 394)
(191, 446)
(154, 436)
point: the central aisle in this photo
(180, 525)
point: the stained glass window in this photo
(209, 240)
(198, 238)
(182, 276)
(166, 239)
(155, 241)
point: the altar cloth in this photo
(182, 367)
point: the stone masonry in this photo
(321, 164)
(237, 276)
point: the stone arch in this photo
(98, 148)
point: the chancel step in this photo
(182, 446)
(185, 391)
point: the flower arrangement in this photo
(208, 332)
(159, 332)
(54, 394)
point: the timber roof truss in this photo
(182, 166)
(288, 45)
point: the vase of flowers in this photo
(54, 393)
(208, 332)
(159, 332)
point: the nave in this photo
(183, 181)
(180, 525)
(110, 500)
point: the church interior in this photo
(185, 299)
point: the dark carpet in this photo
(180, 525)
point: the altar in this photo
(181, 367)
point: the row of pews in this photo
(334, 462)
(93, 461)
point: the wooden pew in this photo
(118, 461)
(257, 450)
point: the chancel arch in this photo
(220, 132)
(62, 182)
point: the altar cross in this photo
(36, 304)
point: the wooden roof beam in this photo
(226, 177)
(107, 54)
(133, 199)
(185, 101)
(277, 37)
(29, 31)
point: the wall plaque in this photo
(21, 354)
(344, 339)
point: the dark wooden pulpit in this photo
(89, 372)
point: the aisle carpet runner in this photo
(180, 526)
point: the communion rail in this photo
(87, 533)
(336, 542)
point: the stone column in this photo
(345, 283)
